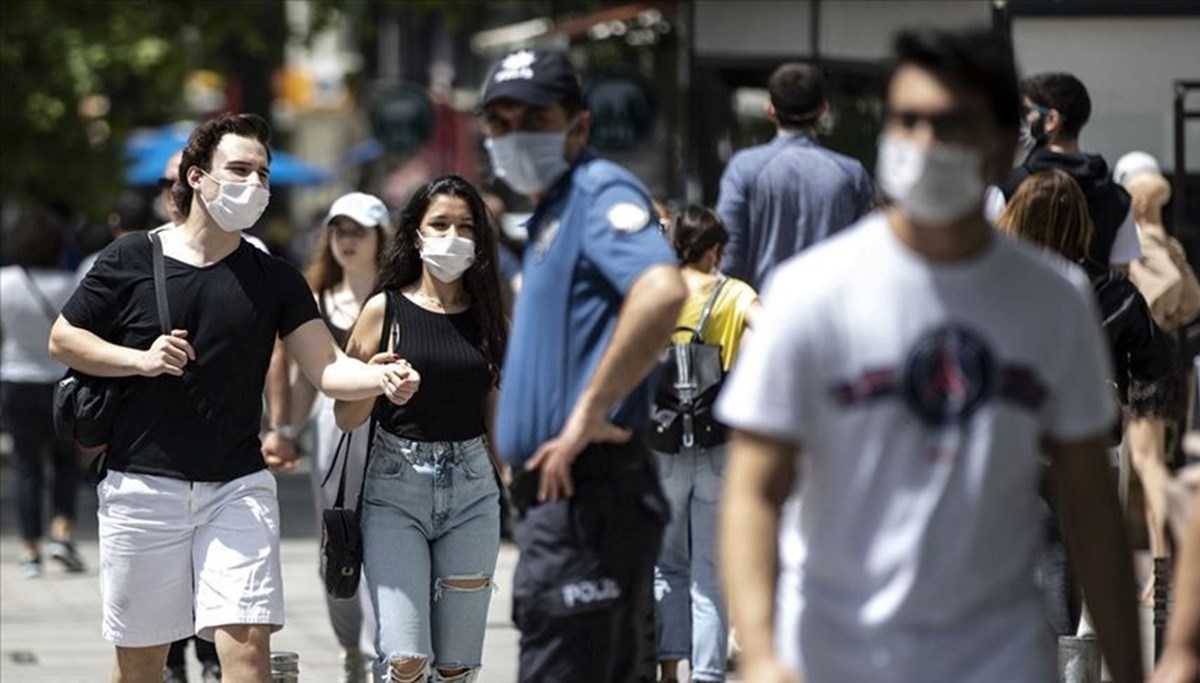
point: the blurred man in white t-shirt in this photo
(905, 380)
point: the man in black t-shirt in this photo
(189, 521)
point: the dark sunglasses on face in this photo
(1026, 110)
(165, 183)
(952, 125)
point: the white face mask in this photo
(238, 205)
(528, 162)
(447, 258)
(936, 185)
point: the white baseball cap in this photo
(1132, 164)
(365, 209)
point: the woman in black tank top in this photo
(431, 503)
(342, 273)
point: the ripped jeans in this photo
(431, 534)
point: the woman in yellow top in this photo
(691, 621)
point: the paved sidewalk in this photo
(50, 626)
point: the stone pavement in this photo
(50, 626)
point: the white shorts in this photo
(179, 558)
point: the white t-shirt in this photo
(918, 394)
(25, 354)
(1127, 246)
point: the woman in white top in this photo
(31, 293)
(342, 275)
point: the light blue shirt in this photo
(784, 196)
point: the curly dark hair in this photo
(402, 262)
(203, 142)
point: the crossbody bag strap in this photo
(362, 485)
(708, 307)
(160, 283)
(47, 307)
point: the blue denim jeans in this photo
(691, 623)
(431, 518)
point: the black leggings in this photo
(28, 415)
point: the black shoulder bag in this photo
(341, 530)
(690, 377)
(85, 406)
(341, 535)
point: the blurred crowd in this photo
(908, 424)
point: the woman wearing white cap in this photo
(342, 275)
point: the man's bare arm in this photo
(1180, 661)
(86, 352)
(759, 475)
(334, 373)
(649, 314)
(1099, 550)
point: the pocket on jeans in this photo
(475, 463)
(387, 463)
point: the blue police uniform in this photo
(582, 591)
(589, 240)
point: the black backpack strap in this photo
(712, 300)
(47, 307)
(160, 283)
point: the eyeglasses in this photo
(165, 183)
(947, 125)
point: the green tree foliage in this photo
(76, 76)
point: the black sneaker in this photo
(65, 554)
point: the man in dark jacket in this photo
(1056, 107)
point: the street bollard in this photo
(285, 667)
(1078, 659)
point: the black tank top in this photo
(340, 334)
(445, 350)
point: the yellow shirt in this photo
(726, 323)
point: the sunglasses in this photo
(1027, 110)
(165, 183)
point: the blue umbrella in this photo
(149, 152)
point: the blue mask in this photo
(528, 162)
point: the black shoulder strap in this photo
(343, 451)
(160, 283)
(712, 299)
(47, 307)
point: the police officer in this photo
(601, 292)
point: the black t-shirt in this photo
(204, 425)
(444, 348)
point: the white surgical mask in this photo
(447, 258)
(528, 162)
(936, 185)
(238, 205)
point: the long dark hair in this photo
(402, 262)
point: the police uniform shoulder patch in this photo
(628, 217)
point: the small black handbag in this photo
(84, 405)
(341, 535)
